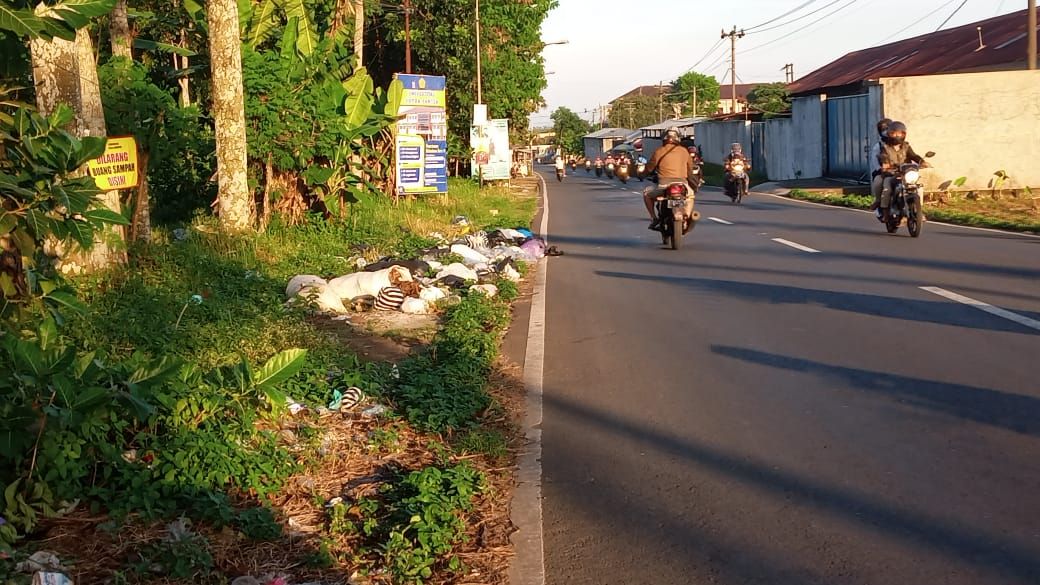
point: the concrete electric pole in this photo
(480, 89)
(733, 36)
(788, 72)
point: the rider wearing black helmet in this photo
(673, 164)
(894, 152)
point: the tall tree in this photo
(772, 99)
(692, 87)
(119, 31)
(229, 119)
(570, 130)
(64, 72)
(635, 112)
(513, 70)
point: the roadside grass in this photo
(214, 300)
(1006, 214)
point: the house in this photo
(726, 97)
(944, 85)
(601, 141)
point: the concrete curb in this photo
(528, 566)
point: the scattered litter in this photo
(373, 411)
(478, 241)
(395, 372)
(362, 304)
(361, 263)
(436, 236)
(460, 220)
(459, 270)
(553, 251)
(294, 407)
(414, 266)
(347, 399)
(510, 273)
(432, 294)
(341, 318)
(534, 249)
(525, 232)
(315, 289)
(368, 283)
(414, 306)
(452, 281)
(451, 300)
(178, 530)
(493, 212)
(246, 580)
(180, 234)
(40, 561)
(434, 265)
(488, 290)
(51, 578)
(469, 255)
(390, 299)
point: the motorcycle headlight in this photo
(912, 176)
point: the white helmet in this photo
(672, 135)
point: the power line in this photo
(788, 13)
(794, 20)
(918, 21)
(951, 16)
(802, 29)
(706, 55)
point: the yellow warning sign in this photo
(117, 167)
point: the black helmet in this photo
(896, 133)
(882, 126)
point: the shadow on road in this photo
(901, 308)
(916, 532)
(1013, 412)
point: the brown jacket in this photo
(671, 162)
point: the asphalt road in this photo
(742, 411)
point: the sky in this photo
(616, 45)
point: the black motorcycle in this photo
(671, 214)
(907, 201)
(737, 181)
(599, 169)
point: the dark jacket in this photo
(895, 155)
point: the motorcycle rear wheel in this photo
(676, 233)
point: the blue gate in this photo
(849, 131)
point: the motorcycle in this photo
(574, 165)
(622, 172)
(671, 213)
(610, 170)
(559, 175)
(588, 166)
(907, 200)
(696, 178)
(599, 168)
(736, 181)
(641, 169)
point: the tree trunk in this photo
(65, 73)
(225, 48)
(141, 227)
(180, 62)
(359, 30)
(119, 30)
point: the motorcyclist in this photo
(560, 166)
(599, 161)
(896, 151)
(736, 152)
(696, 180)
(673, 164)
(876, 178)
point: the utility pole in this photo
(660, 102)
(733, 36)
(1031, 59)
(407, 36)
(695, 101)
(788, 72)
(480, 92)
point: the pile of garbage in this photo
(415, 286)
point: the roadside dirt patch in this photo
(381, 336)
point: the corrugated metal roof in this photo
(947, 51)
(680, 122)
(610, 133)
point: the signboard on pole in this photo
(492, 156)
(421, 144)
(117, 168)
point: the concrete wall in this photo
(977, 123)
(714, 138)
(808, 144)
